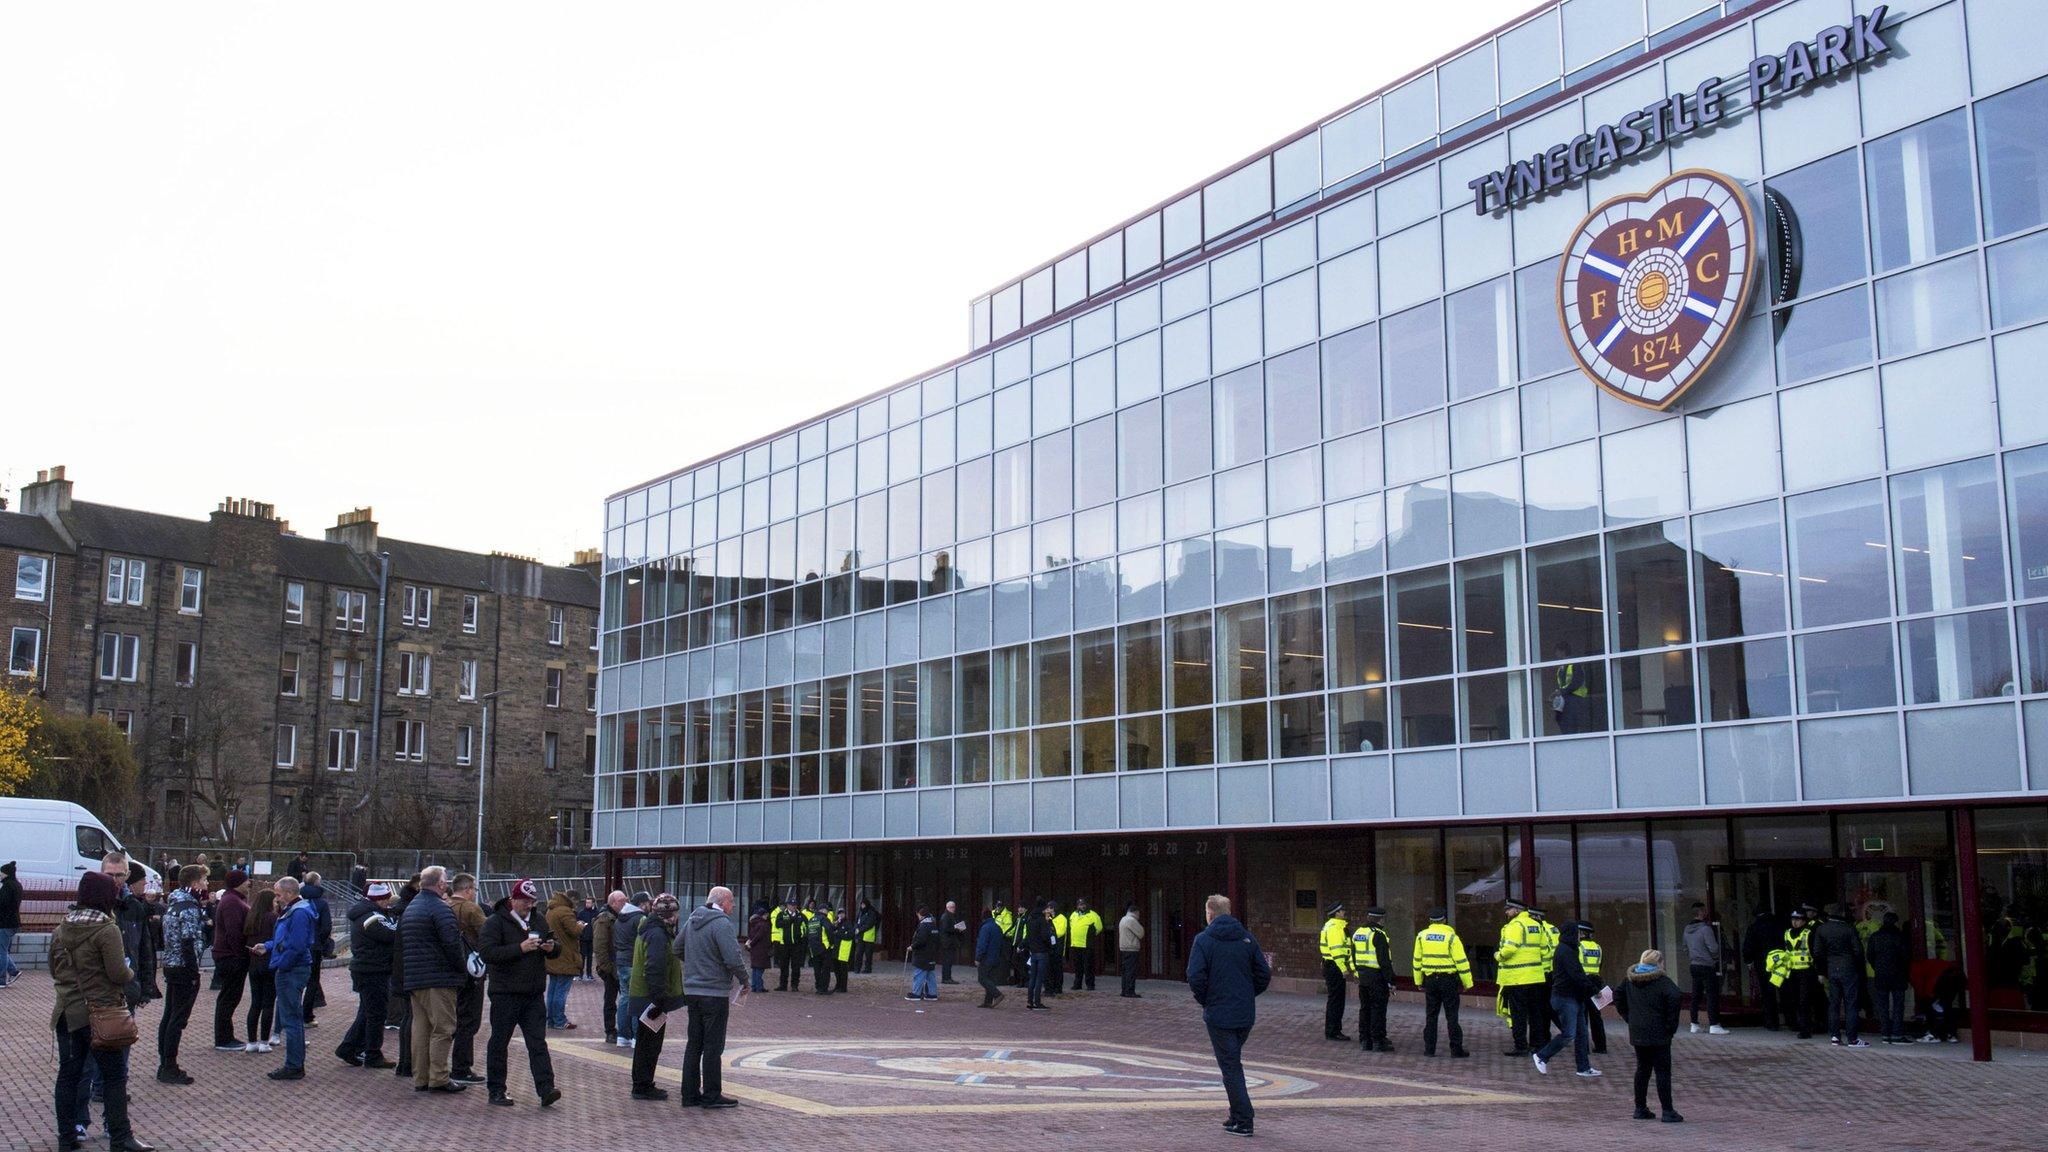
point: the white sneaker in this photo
(1695, 1029)
(1542, 1065)
(265, 1047)
(1588, 1073)
(1930, 1038)
(252, 1046)
(1717, 1030)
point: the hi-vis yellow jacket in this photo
(1335, 943)
(1519, 958)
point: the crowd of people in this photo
(425, 958)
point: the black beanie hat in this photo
(98, 890)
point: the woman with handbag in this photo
(91, 1017)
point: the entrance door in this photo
(1870, 888)
(1734, 893)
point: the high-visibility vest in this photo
(1081, 926)
(1335, 943)
(1589, 957)
(845, 941)
(1003, 920)
(1550, 938)
(1439, 952)
(1059, 927)
(871, 933)
(1564, 677)
(1519, 958)
(778, 927)
(1778, 965)
(1369, 951)
(1796, 944)
(1864, 929)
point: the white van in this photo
(53, 842)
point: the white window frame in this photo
(551, 750)
(411, 742)
(294, 602)
(416, 606)
(558, 625)
(125, 577)
(120, 656)
(345, 680)
(594, 638)
(551, 688)
(287, 745)
(344, 749)
(350, 608)
(472, 611)
(465, 743)
(415, 673)
(35, 663)
(590, 691)
(465, 680)
(191, 590)
(288, 675)
(122, 719)
(36, 588)
(185, 673)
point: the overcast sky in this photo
(480, 265)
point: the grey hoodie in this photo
(712, 958)
(1702, 944)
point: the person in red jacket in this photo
(230, 958)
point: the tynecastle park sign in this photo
(1836, 50)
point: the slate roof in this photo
(25, 533)
(569, 586)
(138, 533)
(318, 560)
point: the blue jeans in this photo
(7, 969)
(924, 982)
(759, 985)
(1034, 989)
(628, 1019)
(1570, 1030)
(558, 1000)
(291, 1012)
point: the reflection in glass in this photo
(1490, 606)
(1822, 203)
(1297, 726)
(1240, 733)
(1739, 562)
(1241, 651)
(1822, 336)
(1749, 680)
(1920, 199)
(1561, 490)
(1358, 634)
(1929, 307)
(1838, 555)
(1191, 736)
(2012, 148)
(1536, 328)
(1413, 354)
(1646, 585)
(1351, 381)
(1359, 720)
(1945, 521)
(2026, 481)
(1495, 707)
(1655, 689)
(1572, 697)
(1425, 714)
(1422, 623)
(1964, 657)
(1846, 669)
(1565, 589)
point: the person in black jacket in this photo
(323, 942)
(1838, 956)
(924, 950)
(1038, 942)
(1649, 1000)
(1890, 958)
(516, 955)
(1766, 933)
(372, 932)
(1570, 988)
(435, 968)
(10, 922)
(869, 922)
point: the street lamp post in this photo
(483, 760)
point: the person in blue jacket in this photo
(1227, 972)
(991, 956)
(290, 955)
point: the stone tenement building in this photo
(295, 690)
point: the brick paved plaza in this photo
(860, 1071)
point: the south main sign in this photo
(1835, 50)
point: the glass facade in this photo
(1286, 505)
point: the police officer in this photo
(1372, 957)
(819, 944)
(784, 933)
(844, 931)
(1440, 965)
(1519, 968)
(1550, 938)
(1335, 944)
(1797, 996)
(1055, 982)
(1569, 699)
(1589, 962)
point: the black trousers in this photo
(1228, 1044)
(262, 1021)
(316, 996)
(1796, 999)
(839, 968)
(987, 975)
(229, 976)
(1373, 994)
(1766, 992)
(646, 1054)
(1441, 994)
(1706, 986)
(948, 955)
(469, 1018)
(528, 1012)
(1653, 1059)
(863, 956)
(1333, 999)
(789, 968)
(821, 976)
(181, 990)
(73, 1108)
(1084, 968)
(1055, 974)
(1528, 1011)
(704, 1054)
(365, 1036)
(611, 1004)
(1127, 968)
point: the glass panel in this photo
(1414, 360)
(1748, 680)
(1095, 672)
(1490, 607)
(1838, 555)
(1646, 586)
(1539, 335)
(1425, 715)
(1966, 657)
(1293, 402)
(1297, 643)
(1422, 623)
(1819, 204)
(2012, 152)
(1187, 433)
(1359, 720)
(1351, 381)
(1239, 417)
(2027, 505)
(1574, 695)
(1945, 521)
(1565, 589)
(1191, 737)
(1241, 651)
(1921, 204)
(1298, 727)
(1823, 336)
(1655, 689)
(1188, 677)
(1846, 669)
(1141, 667)
(1358, 633)
(1481, 340)
(1495, 707)
(1929, 307)
(1561, 490)
(1645, 472)
(1739, 560)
